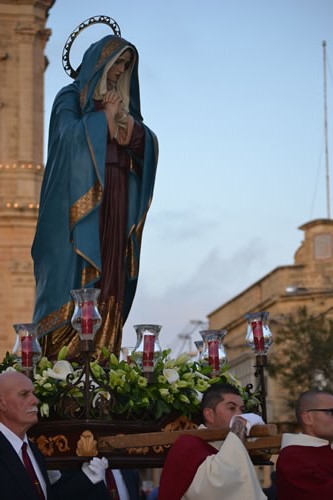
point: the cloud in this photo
(215, 281)
(183, 224)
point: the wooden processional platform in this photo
(66, 444)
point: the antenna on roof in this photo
(326, 136)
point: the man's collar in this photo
(14, 440)
(302, 440)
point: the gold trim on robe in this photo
(85, 204)
(108, 334)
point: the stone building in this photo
(23, 37)
(308, 282)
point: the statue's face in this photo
(119, 67)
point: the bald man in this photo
(305, 464)
(19, 412)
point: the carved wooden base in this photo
(66, 444)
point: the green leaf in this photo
(63, 353)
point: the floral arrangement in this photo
(119, 391)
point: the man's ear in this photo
(306, 418)
(208, 414)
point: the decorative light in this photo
(259, 338)
(9, 166)
(199, 344)
(213, 350)
(127, 353)
(147, 349)
(86, 318)
(258, 335)
(27, 349)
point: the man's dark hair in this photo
(215, 394)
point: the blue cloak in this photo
(66, 248)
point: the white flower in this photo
(60, 370)
(10, 369)
(44, 410)
(171, 375)
(41, 379)
(199, 395)
(98, 396)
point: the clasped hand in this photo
(112, 102)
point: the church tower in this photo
(23, 37)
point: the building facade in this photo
(308, 282)
(23, 37)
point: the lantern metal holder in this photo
(259, 338)
(261, 364)
(96, 395)
(84, 385)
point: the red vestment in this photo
(180, 467)
(305, 471)
(196, 470)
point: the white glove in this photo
(54, 475)
(95, 469)
(251, 419)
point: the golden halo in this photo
(85, 24)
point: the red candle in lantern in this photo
(87, 318)
(148, 353)
(213, 355)
(258, 336)
(26, 348)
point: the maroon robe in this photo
(185, 456)
(113, 214)
(305, 473)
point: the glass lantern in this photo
(127, 354)
(258, 335)
(86, 318)
(27, 349)
(199, 344)
(213, 351)
(147, 350)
